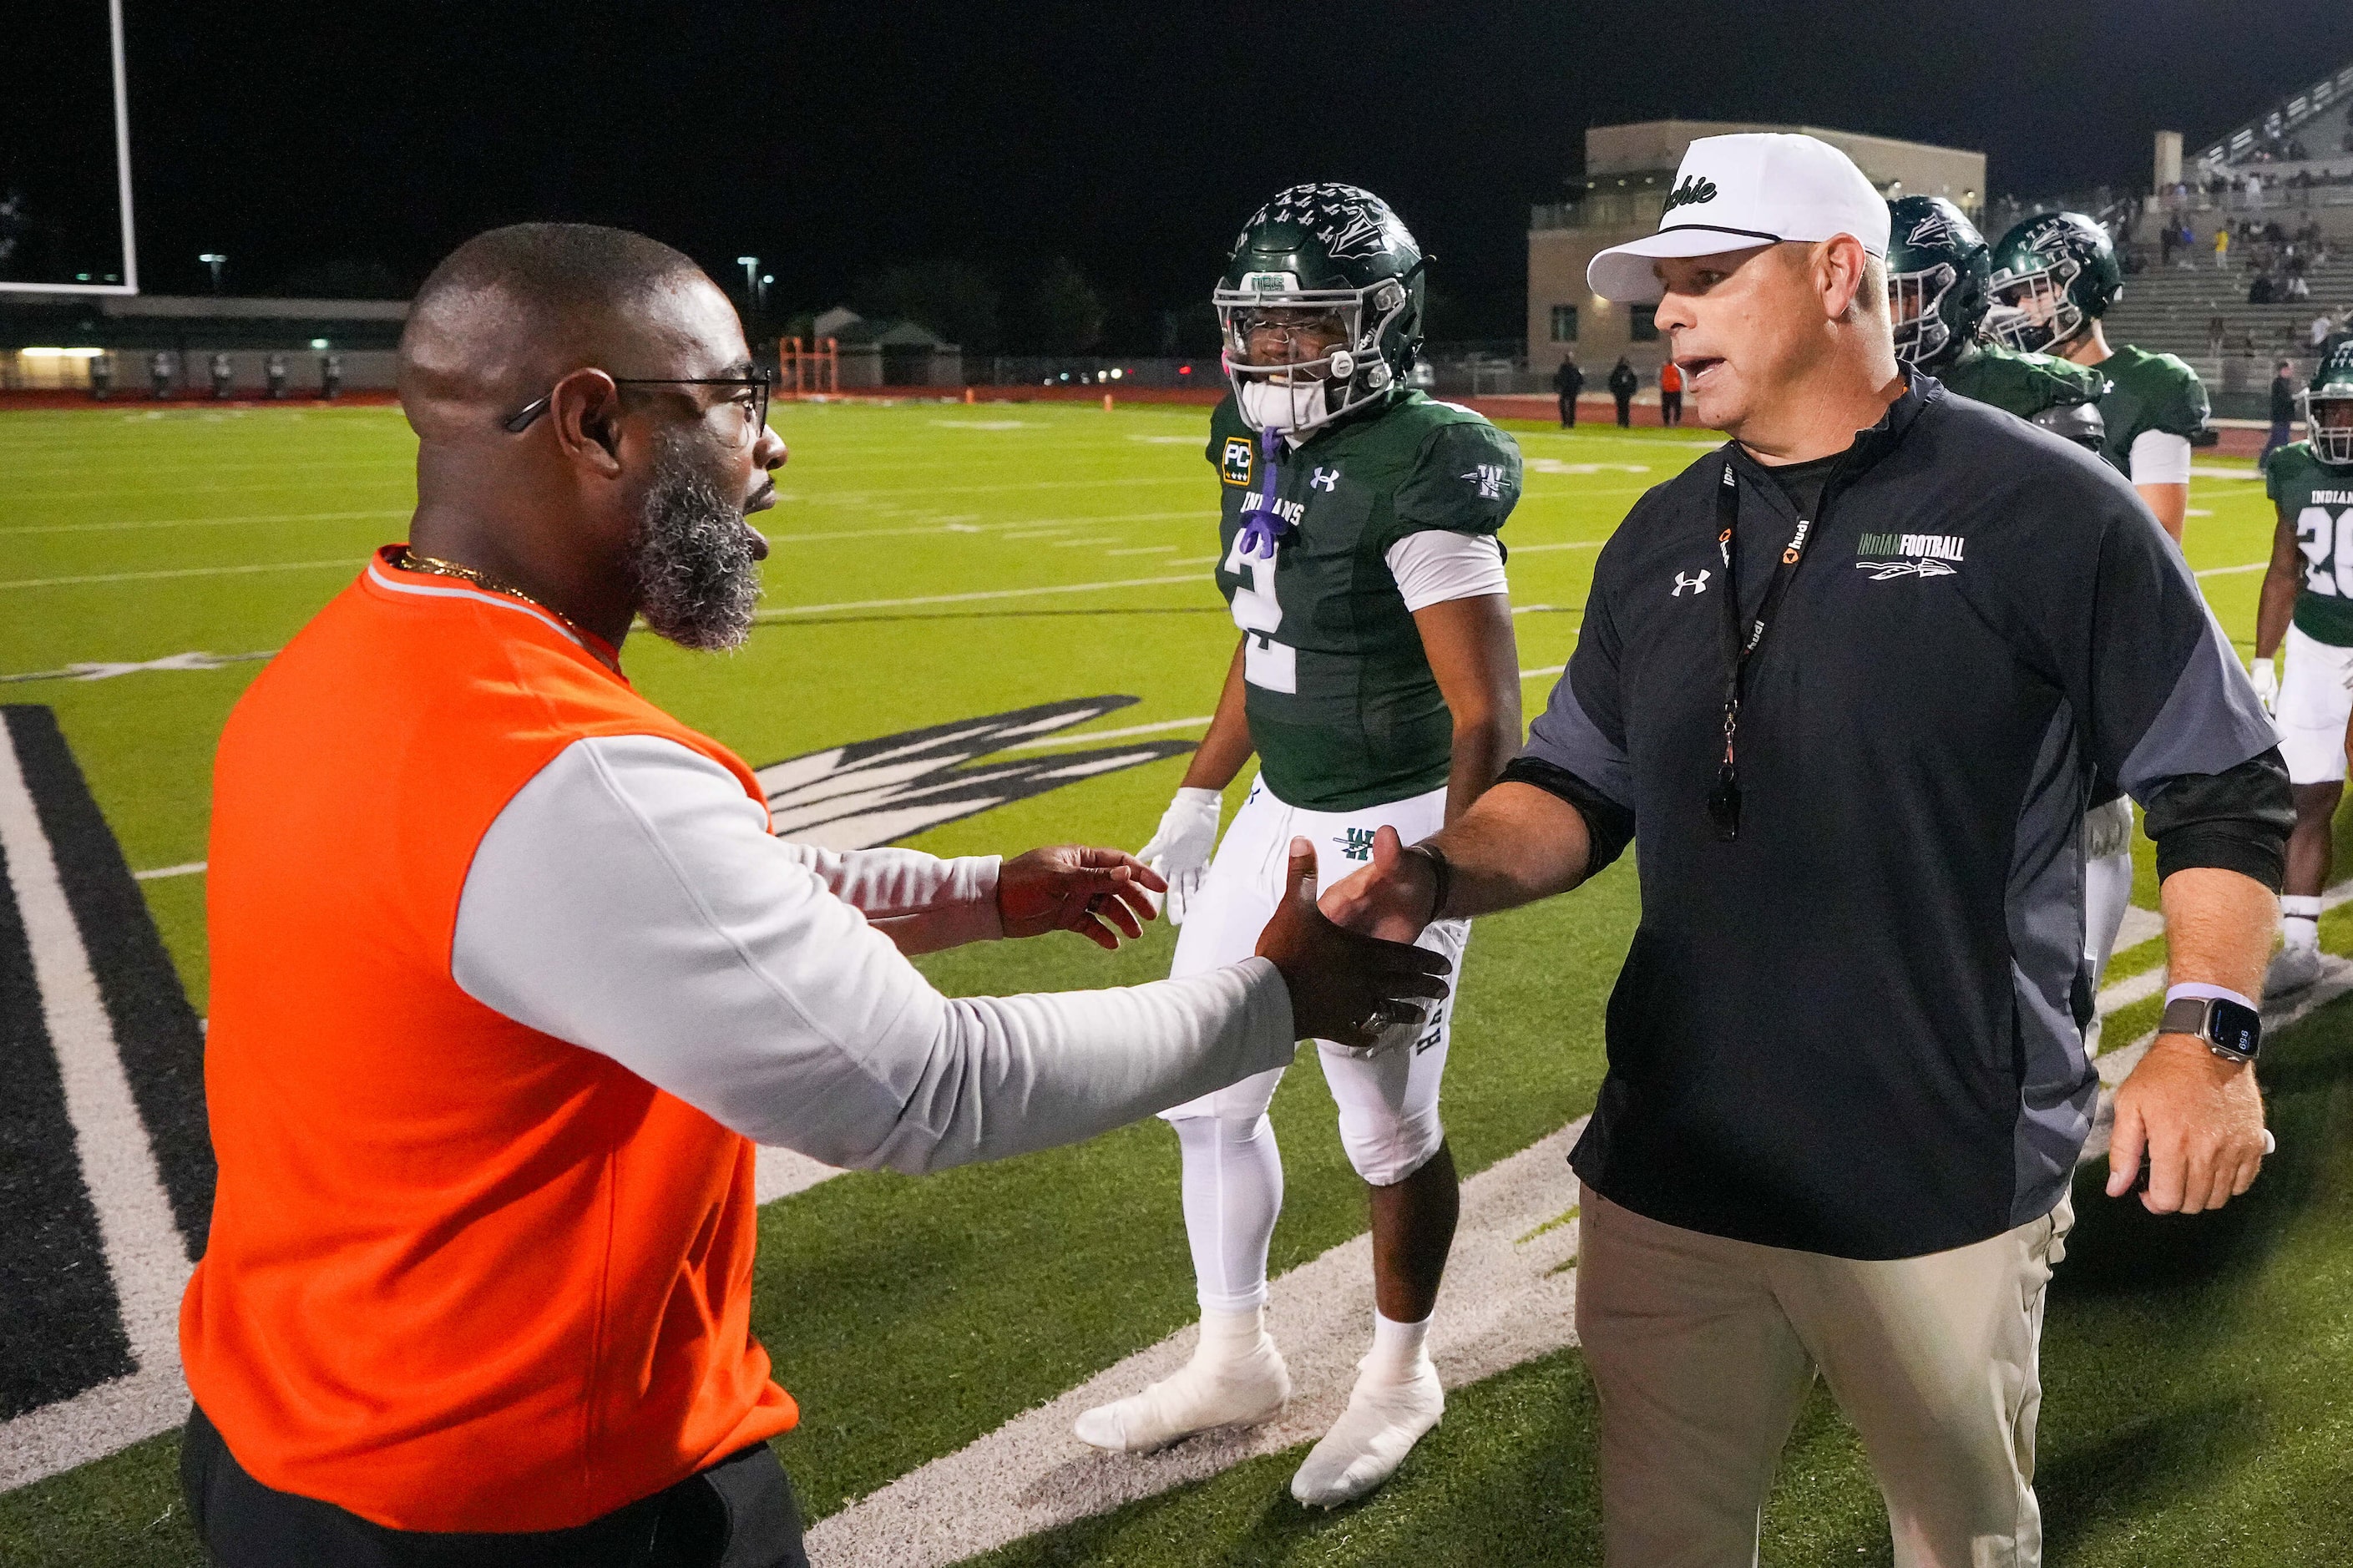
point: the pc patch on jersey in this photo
(1238, 462)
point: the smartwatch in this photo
(2229, 1024)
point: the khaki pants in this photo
(1703, 1349)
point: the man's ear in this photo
(584, 409)
(1838, 273)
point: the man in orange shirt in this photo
(509, 976)
(1671, 394)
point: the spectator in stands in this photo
(2283, 429)
(1568, 381)
(2259, 291)
(2214, 331)
(2221, 247)
(2297, 288)
(1623, 382)
(2166, 239)
(1671, 394)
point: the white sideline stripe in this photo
(202, 521)
(2209, 471)
(1571, 545)
(964, 598)
(1510, 1295)
(1091, 736)
(348, 563)
(145, 1258)
(187, 868)
(2234, 571)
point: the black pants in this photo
(1625, 411)
(1671, 409)
(739, 1513)
(1568, 409)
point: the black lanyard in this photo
(1723, 801)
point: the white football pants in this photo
(2107, 880)
(1388, 1098)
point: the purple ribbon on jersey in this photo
(1262, 527)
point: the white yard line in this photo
(145, 1258)
(347, 563)
(2146, 925)
(187, 869)
(1145, 550)
(2234, 571)
(966, 599)
(203, 521)
(2209, 471)
(1570, 545)
(1510, 1295)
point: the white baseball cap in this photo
(1733, 193)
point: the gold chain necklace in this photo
(410, 561)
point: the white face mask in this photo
(1282, 405)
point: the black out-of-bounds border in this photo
(155, 1029)
(61, 1326)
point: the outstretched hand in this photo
(1390, 898)
(1101, 894)
(1345, 987)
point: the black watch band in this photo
(2231, 1030)
(1441, 876)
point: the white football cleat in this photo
(1383, 1422)
(1200, 1397)
(2292, 970)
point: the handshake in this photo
(1353, 973)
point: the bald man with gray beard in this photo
(509, 976)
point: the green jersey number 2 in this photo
(1265, 662)
(2326, 540)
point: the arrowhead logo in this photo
(1695, 190)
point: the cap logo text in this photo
(1695, 190)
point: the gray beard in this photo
(697, 579)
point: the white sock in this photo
(1232, 1189)
(2300, 920)
(1228, 1337)
(1398, 1349)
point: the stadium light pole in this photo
(215, 261)
(765, 279)
(751, 266)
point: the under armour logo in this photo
(1325, 479)
(1696, 584)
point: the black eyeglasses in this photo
(755, 408)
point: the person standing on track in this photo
(1377, 681)
(2307, 600)
(1623, 383)
(1852, 682)
(1568, 381)
(1671, 394)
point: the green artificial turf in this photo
(913, 1316)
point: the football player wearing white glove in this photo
(1378, 683)
(2305, 620)
(2266, 675)
(1180, 847)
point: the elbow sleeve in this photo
(2236, 820)
(1608, 826)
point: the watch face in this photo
(2234, 1029)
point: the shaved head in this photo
(589, 430)
(508, 311)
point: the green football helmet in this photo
(1938, 268)
(1320, 307)
(2053, 274)
(2328, 404)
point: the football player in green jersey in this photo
(1939, 270)
(1939, 276)
(2309, 599)
(1377, 681)
(2054, 275)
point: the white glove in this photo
(1181, 849)
(2266, 677)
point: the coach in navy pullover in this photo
(1850, 684)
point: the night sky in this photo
(835, 140)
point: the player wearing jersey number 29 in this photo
(1377, 681)
(2307, 600)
